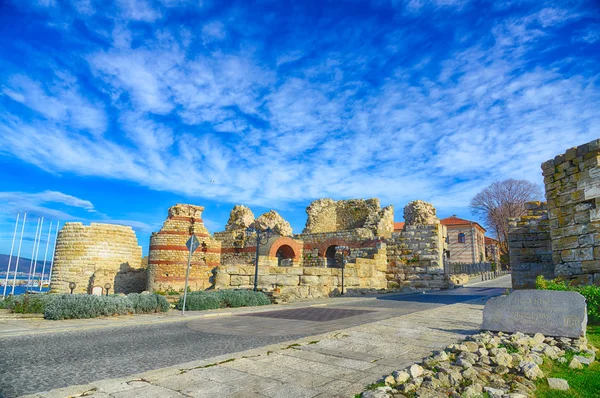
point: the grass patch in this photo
(583, 383)
(509, 348)
(291, 346)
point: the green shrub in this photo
(148, 303)
(242, 298)
(202, 300)
(198, 301)
(591, 294)
(27, 303)
(76, 306)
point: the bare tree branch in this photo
(500, 201)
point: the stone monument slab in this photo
(551, 313)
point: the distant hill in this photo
(23, 264)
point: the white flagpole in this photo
(53, 253)
(12, 246)
(45, 257)
(37, 251)
(32, 255)
(18, 254)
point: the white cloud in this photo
(234, 127)
(139, 10)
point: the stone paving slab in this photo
(334, 364)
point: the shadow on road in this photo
(446, 296)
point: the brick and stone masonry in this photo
(94, 255)
(291, 266)
(168, 254)
(530, 246)
(572, 184)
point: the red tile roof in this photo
(455, 221)
(398, 226)
(491, 241)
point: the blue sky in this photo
(113, 112)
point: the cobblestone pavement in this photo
(41, 362)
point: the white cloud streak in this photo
(229, 125)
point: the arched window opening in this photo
(285, 256)
(461, 238)
(330, 256)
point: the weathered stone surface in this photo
(240, 218)
(95, 254)
(419, 212)
(327, 215)
(558, 384)
(273, 220)
(552, 313)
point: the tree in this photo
(501, 200)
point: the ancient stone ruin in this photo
(561, 237)
(290, 265)
(94, 255)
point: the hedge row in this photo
(591, 294)
(197, 301)
(77, 306)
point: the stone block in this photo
(551, 313)
(309, 280)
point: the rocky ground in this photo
(496, 365)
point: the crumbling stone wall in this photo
(530, 246)
(94, 255)
(327, 215)
(572, 182)
(290, 283)
(168, 254)
(416, 254)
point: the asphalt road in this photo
(34, 363)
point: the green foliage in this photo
(198, 301)
(27, 303)
(582, 382)
(148, 303)
(71, 306)
(243, 298)
(591, 294)
(77, 306)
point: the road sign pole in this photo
(192, 244)
(187, 276)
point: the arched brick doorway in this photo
(287, 251)
(330, 257)
(285, 256)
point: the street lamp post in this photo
(262, 237)
(107, 287)
(342, 249)
(72, 286)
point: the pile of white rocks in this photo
(499, 364)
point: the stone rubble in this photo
(499, 364)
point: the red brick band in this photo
(181, 233)
(184, 263)
(184, 248)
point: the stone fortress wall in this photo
(94, 255)
(168, 254)
(572, 232)
(290, 266)
(530, 246)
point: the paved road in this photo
(41, 362)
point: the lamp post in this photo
(342, 249)
(262, 237)
(72, 286)
(107, 286)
